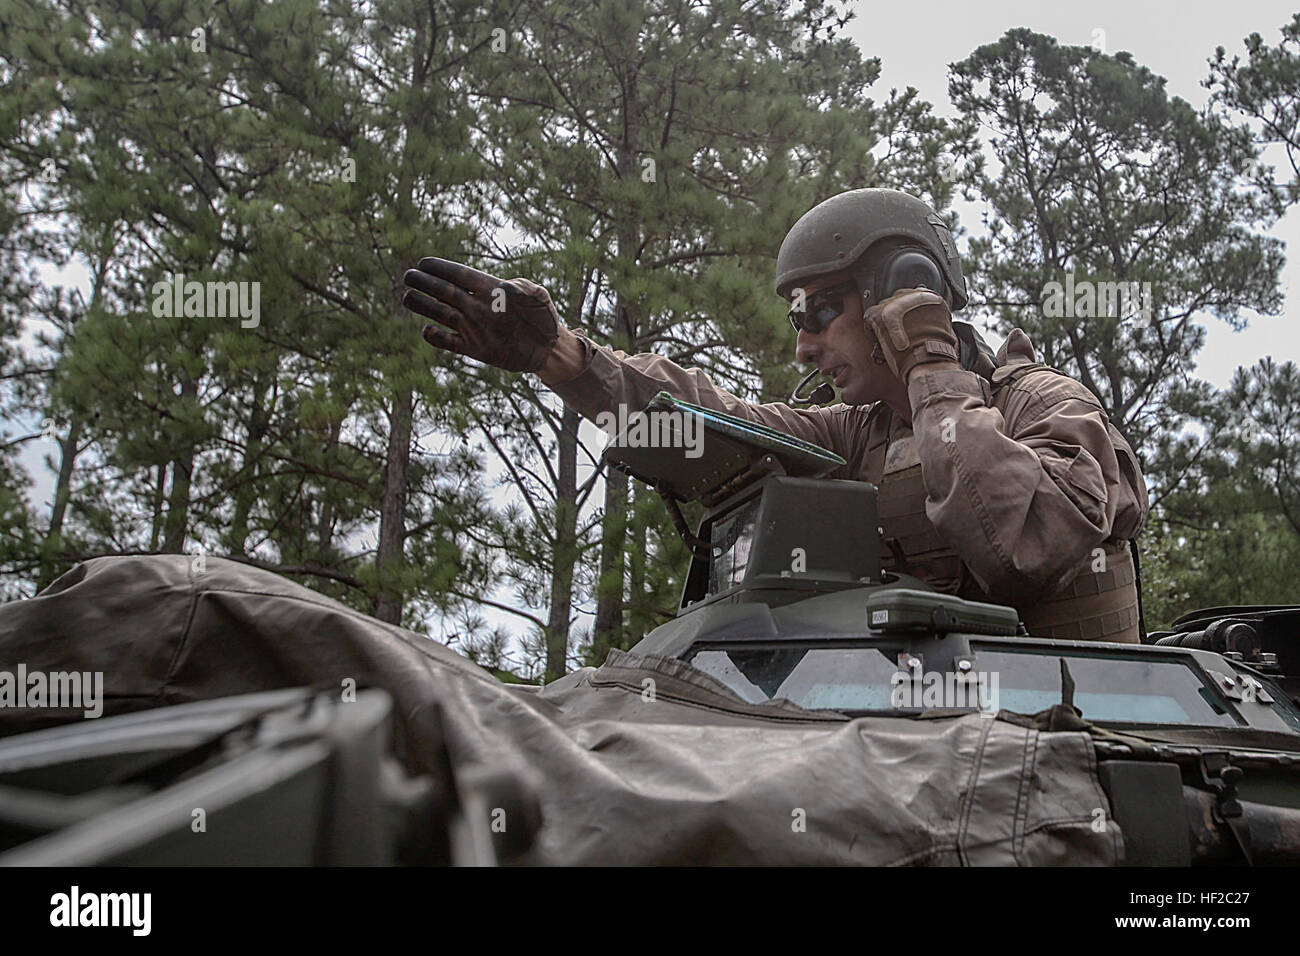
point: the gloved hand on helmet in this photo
(913, 327)
(507, 323)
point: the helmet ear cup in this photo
(911, 269)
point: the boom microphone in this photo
(822, 394)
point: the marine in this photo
(999, 478)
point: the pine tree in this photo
(652, 155)
(1115, 217)
(303, 149)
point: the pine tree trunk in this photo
(246, 495)
(62, 489)
(565, 551)
(637, 598)
(68, 447)
(392, 511)
(325, 520)
(608, 628)
(159, 494)
(178, 503)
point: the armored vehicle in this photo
(1196, 731)
(804, 706)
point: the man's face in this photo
(842, 350)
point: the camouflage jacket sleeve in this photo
(611, 378)
(1025, 488)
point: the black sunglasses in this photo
(821, 308)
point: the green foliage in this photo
(1103, 176)
(287, 148)
(1263, 90)
(656, 153)
(1230, 532)
(642, 160)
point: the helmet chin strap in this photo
(866, 281)
(878, 356)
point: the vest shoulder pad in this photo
(1050, 385)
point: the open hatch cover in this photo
(686, 451)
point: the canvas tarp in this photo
(641, 761)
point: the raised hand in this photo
(912, 327)
(507, 323)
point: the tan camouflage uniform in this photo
(1010, 486)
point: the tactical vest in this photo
(1099, 604)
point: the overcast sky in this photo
(915, 44)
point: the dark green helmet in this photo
(835, 234)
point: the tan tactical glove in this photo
(510, 324)
(913, 327)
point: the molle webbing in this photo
(900, 507)
(1095, 606)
